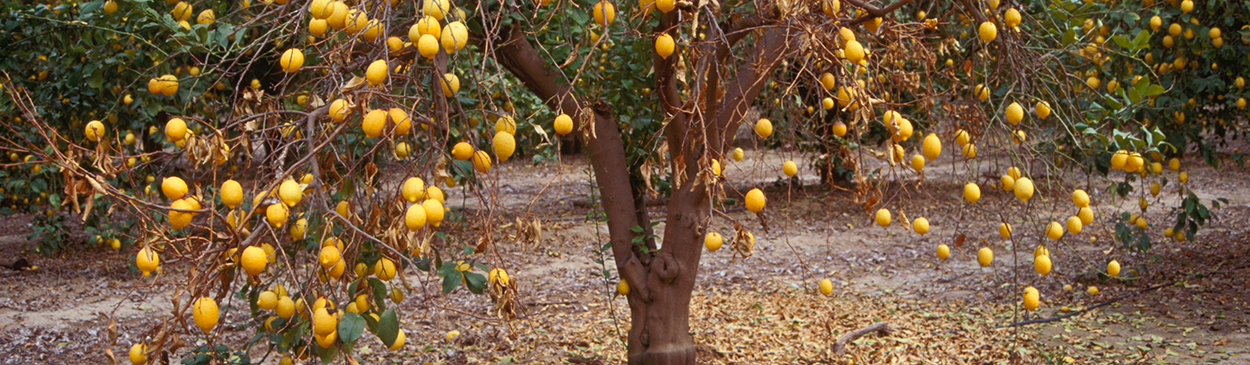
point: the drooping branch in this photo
(749, 82)
(875, 11)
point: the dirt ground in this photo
(762, 309)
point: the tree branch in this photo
(747, 84)
(839, 347)
(607, 151)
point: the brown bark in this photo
(661, 281)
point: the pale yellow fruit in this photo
(920, 225)
(175, 129)
(1041, 264)
(413, 189)
(622, 287)
(147, 261)
(399, 341)
(504, 145)
(604, 12)
(204, 311)
(462, 151)
(917, 162)
(1093, 290)
(839, 129)
(292, 60)
(985, 256)
(415, 217)
(943, 251)
(1042, 109)
(253, 260)
(290, 192)
(1074, 224)
(451, 84)
(1054, 230)
(764, 128)
(972, 192)
(1023, 189)
(1015, 113)
(433, 211)
(317, 27)
(712, 241)
(1119, 159)
(339, 110)
(137, 356)
(481, 161)
(384, 269)
(854, 51)
(1004, 230)
(716, 167)
(970, 151)
(231, 193)
(454, 37)
(1031, 298)
(94, 130)
(323, 322)
(1183, 177)
(883, 217)
(962, 138)
(506, 124)
(563, 124)
(826, 286)
(276, 214)
(173, 187)
(267, 300)
(931, 146)
(433, 192)
(376, 73)
(1086, 215)
(987, 31)
(428, 46)
(1007, 182)
(789, 168)
(374, 123)
(738, 154)
(827, 81)
(1012, 18)
(755, 200)
(664, 45)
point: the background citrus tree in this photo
(292, 152)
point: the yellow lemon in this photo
(789, 167)
(764, 128)
(1023, 189)
(323, 322)
(1015, 113)
(604, 12)
(563, 124)
(920, 225)
(1031, 298)
(622, 287)
(462, 151)
(175, 129)
(451, 84)
(415, 218)
(1119, 159)
(972, 192)
(828, 81)
(716, 167)
(943, 251)
(854, 51)
(1008, 183)
(173, 187)
(917, 162)
(376, 73)
(299, 230)
(665, 5)
(1093, 290)
(504, 144)
(664, 45)
(399, 341)
(413, 189)
(454, 37)
(883, 217)
(94, 130)
(204, 311)
(1113, 268)
(433, 211)
(428, 46)
(962, 138)
(137, 356)
(1041, 264)
(1004, 230)
(1054, 230)
(384, 269)
(985, 256)
(147, 260)
(374, 122)
(1042, 109)
(267, 300)
(231, 193)
(1074, 224)
(481, 161)
(755, 200)
(712, 241)
(253, 260)
(505, 123)
(276, 214)
(931, 146)
(339, 110)
(1086, 215)
(738, 154)
(1187, 6)
(987, 31)
(292, 60)
(433, 192)
(1012, 18)
(1183, 177)
(290, 193)
(970, 151)
(826, 286)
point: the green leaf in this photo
(1155, 90)
(379, 292)
(476, 282)
(451, 282)
(351, 327)
(1069, 37)
(1122, 41)
(388, 327)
